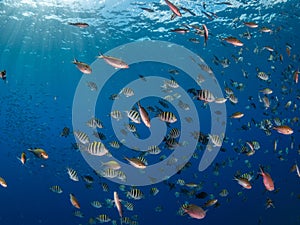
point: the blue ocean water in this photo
(37, 102)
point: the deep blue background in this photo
(37, 47)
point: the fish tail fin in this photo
(75, 61)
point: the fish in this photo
(297, 170)
(96, 204)
(136, 162)
(23, 158)
(79, 214)
(147, 9)
(194, 211)
(97, 148)
(65, 132)
(72, 174)
(269, 203)
(144, 115)
(263, 76)
(74, 201)
(3, 182)
(82, 137)
(173, 8)
(40, 153)
(154, 191)
(134, 116)
(103, 218)
(251, 24)
(3, 75)
(135, 193)
(205, 34)
(237, 115)
(188, 10)
(56, 189)
(296, 76)
(116, 114)
(127, 92)
(284, 129)
(234, 41)
(111, 164)
(109, 173)
(180, 30)
(118, 204)
(79, 24)
(205, 95)
(168, 117)
(82, 67)
(210, 202)
(92, 85)
(114, 62)
(94, 123)
(267, 180)
(244, 180)
(224, 193)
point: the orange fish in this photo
(283, 129)
(118, 204)
(288, 51)
(83, 67)
(74, 201)
(267, 180)
(114, 62)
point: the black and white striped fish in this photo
(168, 117)
(134, 116)
(206, 96)
(82, 137)
(96, 148)
(72, 174)
(135, 193)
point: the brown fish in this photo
(115, 62)
(74, 201)
(251, 24)
(83, 67)
(234, 41)
(144, 115)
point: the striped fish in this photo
(168, 117)
(154, 150)
(97, 148)
(233, 99)
(56, 189)
(72, 174)
(206, 96)
(103, 218)
(96, 204)
(109, 173)
(82, 137)
(116, 114)
(263, 76)
(131, 127)
(154, 191)
(128, 92)
(121, 175)
(114, 144)
(215, 139)
(135, 193)
(174, 133)
(134, 116)
(94, 122)
(129, 206)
